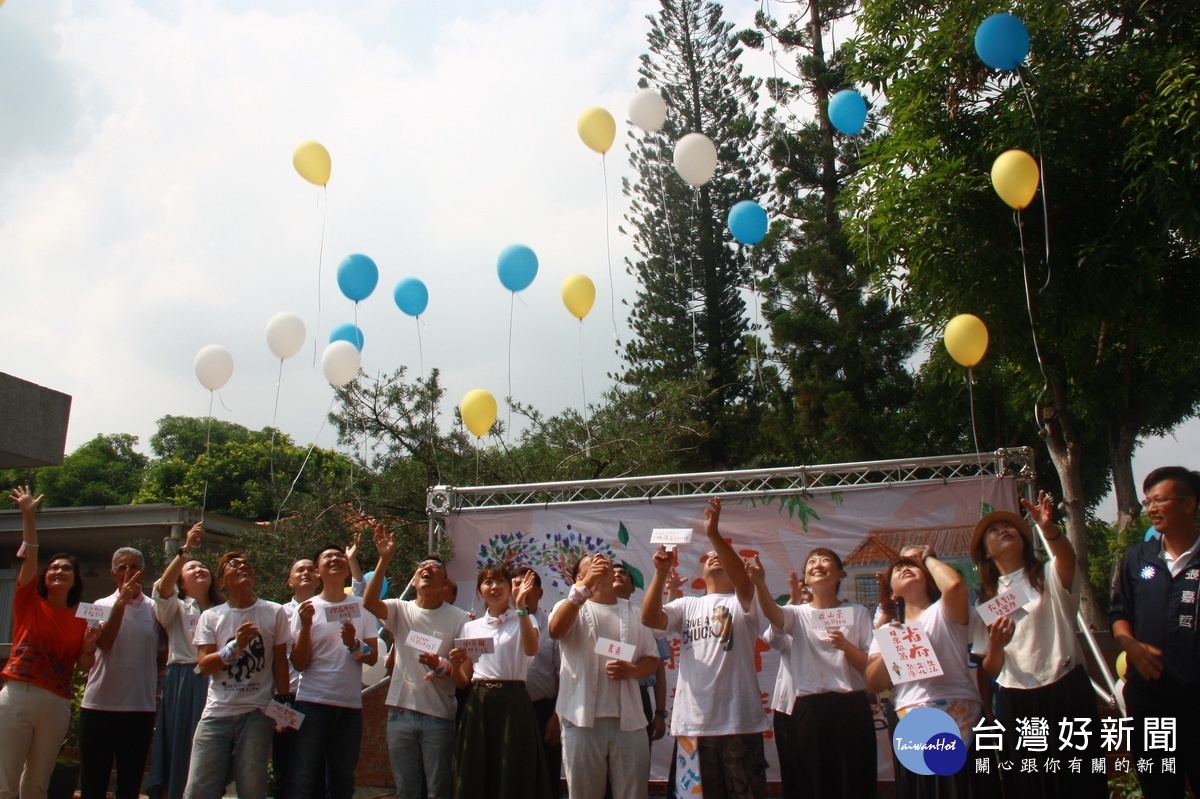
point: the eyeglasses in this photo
(127, 567)
(234, 563)
(1149, 503)
(430, 564)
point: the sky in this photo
(148, 204)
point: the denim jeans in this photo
(328, 741)
(419, 744)
(248, 738)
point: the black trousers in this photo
(108, 736)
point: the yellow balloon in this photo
(1015, 178)
(578, 294)
(597, 128)
(966, 339)
(311, 160)
(1121, 666)
(478, 411)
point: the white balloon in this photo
(695, 159)
(340, 362)
(285, 334)
(647, 110)
(214, 366)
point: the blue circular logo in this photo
(926, 742)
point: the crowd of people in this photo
(503, 704)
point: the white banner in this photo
(865, 525)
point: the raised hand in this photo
(1001, 632)
(385, 543)
(193, 537)
(712, 515)
(755, 571)
(1043, 512)
(25, 499)
(521, 588)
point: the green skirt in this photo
(499, 752)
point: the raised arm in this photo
(356, 572)
(952, 586)
(110, 629)
(653, 614)
(385, 545)
(766, 602)
(170, 576)
(529, 630)
(734, 567)
(1062, 554)
(28, 504)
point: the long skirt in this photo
(831, 746)
(499, 753)
(183, 695)
(1069, 698)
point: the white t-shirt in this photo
(813, 665)
(249, 682)
(717, 692)
(409, 689)
(1043, 647)
(782, 696)
(179, 616)
(509, 661)
(333, 675)
(582, 669)
(949, 642)
(126, 676)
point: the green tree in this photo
(247, 474)
(104, 471)
(689, 317)
(844, 349)
(1114, 359)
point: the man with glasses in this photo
(243, 646)
(117, 718)
(420, 700)
(1154, 619)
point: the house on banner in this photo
(880, 548)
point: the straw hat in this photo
(999, 516)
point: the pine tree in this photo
(689, 316)
(843, 348)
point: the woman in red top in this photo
(48, 643)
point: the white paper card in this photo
(425, 643)
(284, 716)
(833, 618)
(86, 610)
(671, 535)
(907, 652)
(617, 650)
(343, 611)
(475, 647)
(1005, 603)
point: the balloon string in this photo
(311, 446)
(508, 419)
(666, 211)
(207, 450)
(583, 387)
(691, 305)
(974, 431)
(612, 292)
(867, 221)
(1037, 132)
(274, 414)
(1037, 415)
(324, 206)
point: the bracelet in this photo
(28, 545)
(366, 651)
(661, 714)
(522, 612)
(229, 653)
(352, 648)
(1048, 538)
(183, 553)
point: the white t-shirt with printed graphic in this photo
(717, 692)
(249, 682)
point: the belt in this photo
(498, 683)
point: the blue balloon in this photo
(411, 296)
(357, 276)
(1002, 41)
(848, 111)
(517, 267)
(383, 590)
(348, 332)
(748, 222)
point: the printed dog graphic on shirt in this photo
(722, 626)
(250, 661)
